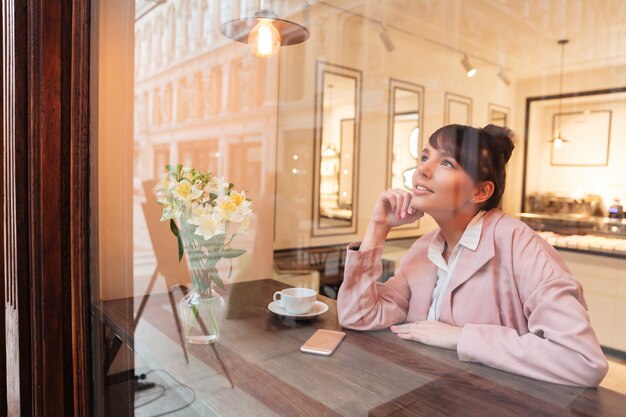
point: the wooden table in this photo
(371, 373)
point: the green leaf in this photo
(176, 232)
(174, 228)
(232, 253)
(181, 249)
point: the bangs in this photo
(460, 142)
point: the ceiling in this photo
(520, 35)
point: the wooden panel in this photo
(6, 48)
(14, 213)
(44, 210)
(79, 209)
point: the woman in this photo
(483, 284)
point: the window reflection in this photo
(292, 139)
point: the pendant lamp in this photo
(265, 32)
(557, 138)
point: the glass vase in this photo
(201, 317)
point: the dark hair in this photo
(483, 153)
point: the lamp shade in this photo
(291, 33)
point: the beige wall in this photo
(414, 60)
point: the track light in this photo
(506, 80)
(469, 68)
(384, 36)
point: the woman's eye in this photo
(447, 163)
(424, 158)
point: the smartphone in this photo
(323, 342)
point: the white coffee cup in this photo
(295, 300)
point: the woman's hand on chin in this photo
(393, 208)
(429, 332)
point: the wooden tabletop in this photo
(370, 374)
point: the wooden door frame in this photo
(49, 171)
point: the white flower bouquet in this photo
(201, 207)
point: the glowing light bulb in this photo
(558, 142)
(264, 39)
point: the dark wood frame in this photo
(456, 98)
(608, 139)
(529, 101)
(322, 67)
(49, 172)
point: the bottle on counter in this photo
(616, 211)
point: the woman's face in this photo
(441, 187)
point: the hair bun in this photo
(504, 138)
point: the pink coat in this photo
(519, 306)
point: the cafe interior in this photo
(312, 108)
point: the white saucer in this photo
(317, 309)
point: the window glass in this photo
(282, 160)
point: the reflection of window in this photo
(181, 111)
(156, 108)
(161, 158)
(167, 104)
(234, 88)
(201, 154)
(214, 95)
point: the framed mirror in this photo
(577, 127)
(457, 109)
(337, 132)
(406, 101)
(588, 159)
(498, 115)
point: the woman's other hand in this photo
(393, 208)
(429, 332)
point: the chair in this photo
(174, 272)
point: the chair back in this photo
(164, 243)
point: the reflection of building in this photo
(203, 101)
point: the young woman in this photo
(483, 284)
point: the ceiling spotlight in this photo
(506, 80)
(264, 32)
(384, 36)
(469, 68)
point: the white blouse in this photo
(469, 241)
